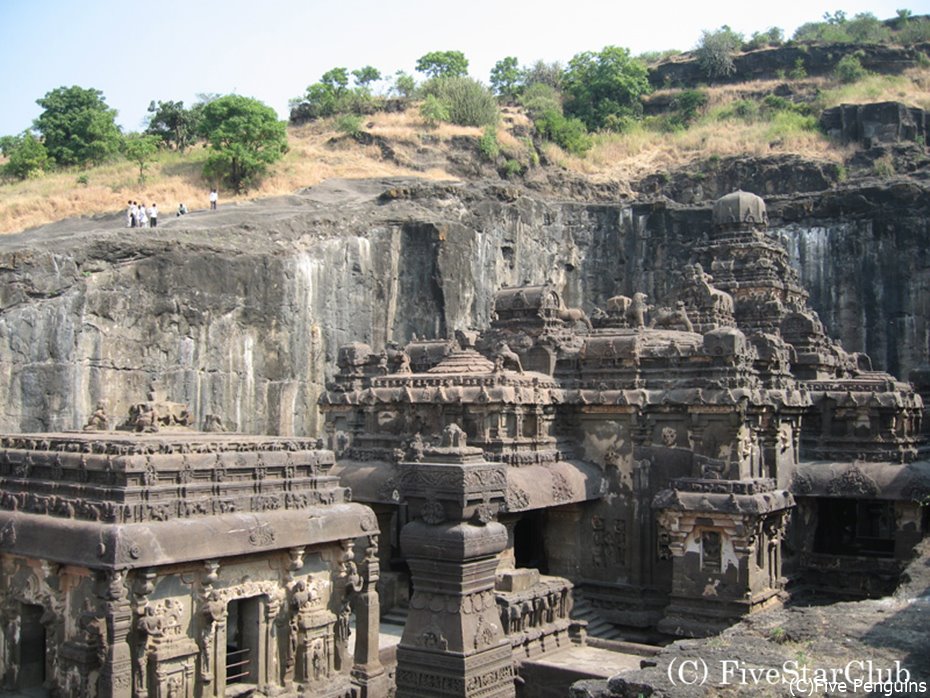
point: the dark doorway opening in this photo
(860, 527)
(31, 647)
(242, 640)
(529, 541)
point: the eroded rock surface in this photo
(239, 312)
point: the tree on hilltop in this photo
(140, 148)
(366, 75)
(172, 124)
(443, 64)
(245, 137)
(715, 52)
(77, 126)
(604, 89)
(507, 78)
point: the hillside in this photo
(762, 118)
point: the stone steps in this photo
(597, 626)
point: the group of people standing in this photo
(138, 217)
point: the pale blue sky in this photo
(272, 49)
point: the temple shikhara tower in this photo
(672, 468)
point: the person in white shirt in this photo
(214, 197)
(182, 209)
(129, 216)
(153, 216)
(142, 219)
(133, 215)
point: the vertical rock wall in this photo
(245, 322)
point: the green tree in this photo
(172, 124)
(245, 137)
(603, 89)
(365, 76)
(715, 52)
(507, 78)
(140, 148)
(337, 79)
(77, 126)
(443, 64)
(26, 156)
(545, 73)
(404, 85)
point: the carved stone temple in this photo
(672, 469)
(677, 465)
(182, 564)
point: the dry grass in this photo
(314, 156)
(318, 152)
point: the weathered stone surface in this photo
(239, 313)
(873, 124)
(768, 63)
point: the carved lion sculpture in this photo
(573, 315)
(672, 319)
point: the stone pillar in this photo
(453, 644)
(367, 672)
(116, 672)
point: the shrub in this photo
(512, 168)
(350, 124)
(539, 98)
(849, 69)
(688, 105)
(798, 72)
(715, 52)
(488, 144)
(27, 157)
(773, 37)
(884, 166)
(468, 102)
(915, 31)
(569, 134)
(433, 111)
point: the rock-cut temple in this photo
(673, 468)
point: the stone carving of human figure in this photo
(98, 421)
(342, 631)
(212, 612)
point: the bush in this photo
(433, 111)
(468, 102)
(849, 69)
(715, 52)
(569, 134)
(488, 144)
(27, 157)
(512, 168)
(773, 37)
(914, 31)
(884, 166)
(350, 124)
(798, 72)
(688, 105)
(539, 98)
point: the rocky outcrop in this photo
(710, 179)
(239, 313)
(880, 123)
(771, 63)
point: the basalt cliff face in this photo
(240, 312)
